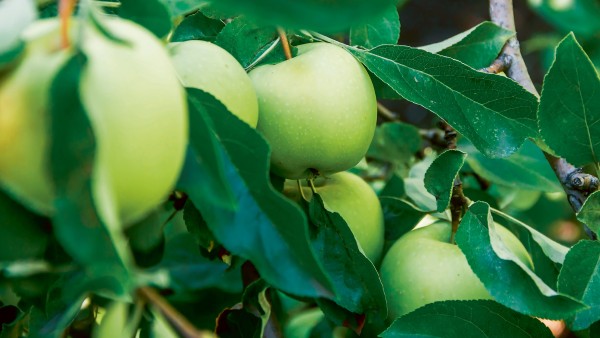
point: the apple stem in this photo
(285, 43)
(65, 10)
(312, 185)
(300, 190)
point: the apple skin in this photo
(318, 111)
(351, 197)
(422, 267)
(206, 66)
(136, 106)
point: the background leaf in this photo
(478, 47)
(581, 16)
(525, 169)
(580, 278)
(381, 30)
(493, 112)
(400, 217)
(508, 283)
(570, 105)
(152, 14)
(439, 178)
(265, 227)
(466, 319)
(197, 27)
(395, 142)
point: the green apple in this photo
(422, 267)
(302, 325)
(204, 65)
(317, 111)
(136, 106)
(351, 197)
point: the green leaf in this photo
(415, 187)
(508, 280)
(400, 217)
(466, 319)
(356, 282)
(478, 47)
(76, 223)
(337, 316)
(197, 27)
(184, 269)
(525, 169)
(151, 14)
(581, 16)
(147, 239)
(15, 16)
(246, 40)
(265, 227)
(24, 234)
(570, 105)
(493, 112)
(382, 30)
(318, 15)
(182, 7)
(114, 322)
(590, 212)
(196, 225)
(580, 278)
(439, 178)
(395, 142)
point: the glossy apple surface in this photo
(136, 106)
(422, 267)
(317, 111)
(351, 197)
(206, 66)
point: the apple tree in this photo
(279, 168)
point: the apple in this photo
(351, 197)
(204, 65)
(302, 325)
(137, 109)
(422, 267)
(317, 111)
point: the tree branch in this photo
(502, 14)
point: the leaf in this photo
(477, 47)
(395, 142)
(508, 280)
(181, 7)
(184, 269)
(76, 223)
(379, 31)
(581, 16)
(265, 227)
(466, 319)
(318, 15)
(415, 187)
(15, 16)
(338, 316)
(355, 280)
(400, 217)
(24, 234)
(114, 322)
(151, 14)
(590, 212)
(439, 178)
(147, 239)
(246, 40)
(570, 105)
(493, 112)
(580, 278)
(248, 318)
(196, 225)
(525, 169)
(197, 27)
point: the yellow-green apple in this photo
(422, 267)
(204, 65)
(317, 111)
(351, 197)
(135, 104)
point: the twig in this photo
(179, 322)
(501, 64)
(385, 112)
(65, 10)
(501, 13)
(285, 43)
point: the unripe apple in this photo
(317, 111)
(136, 107)
(204, 65)
(351, 197)
(422, 267)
